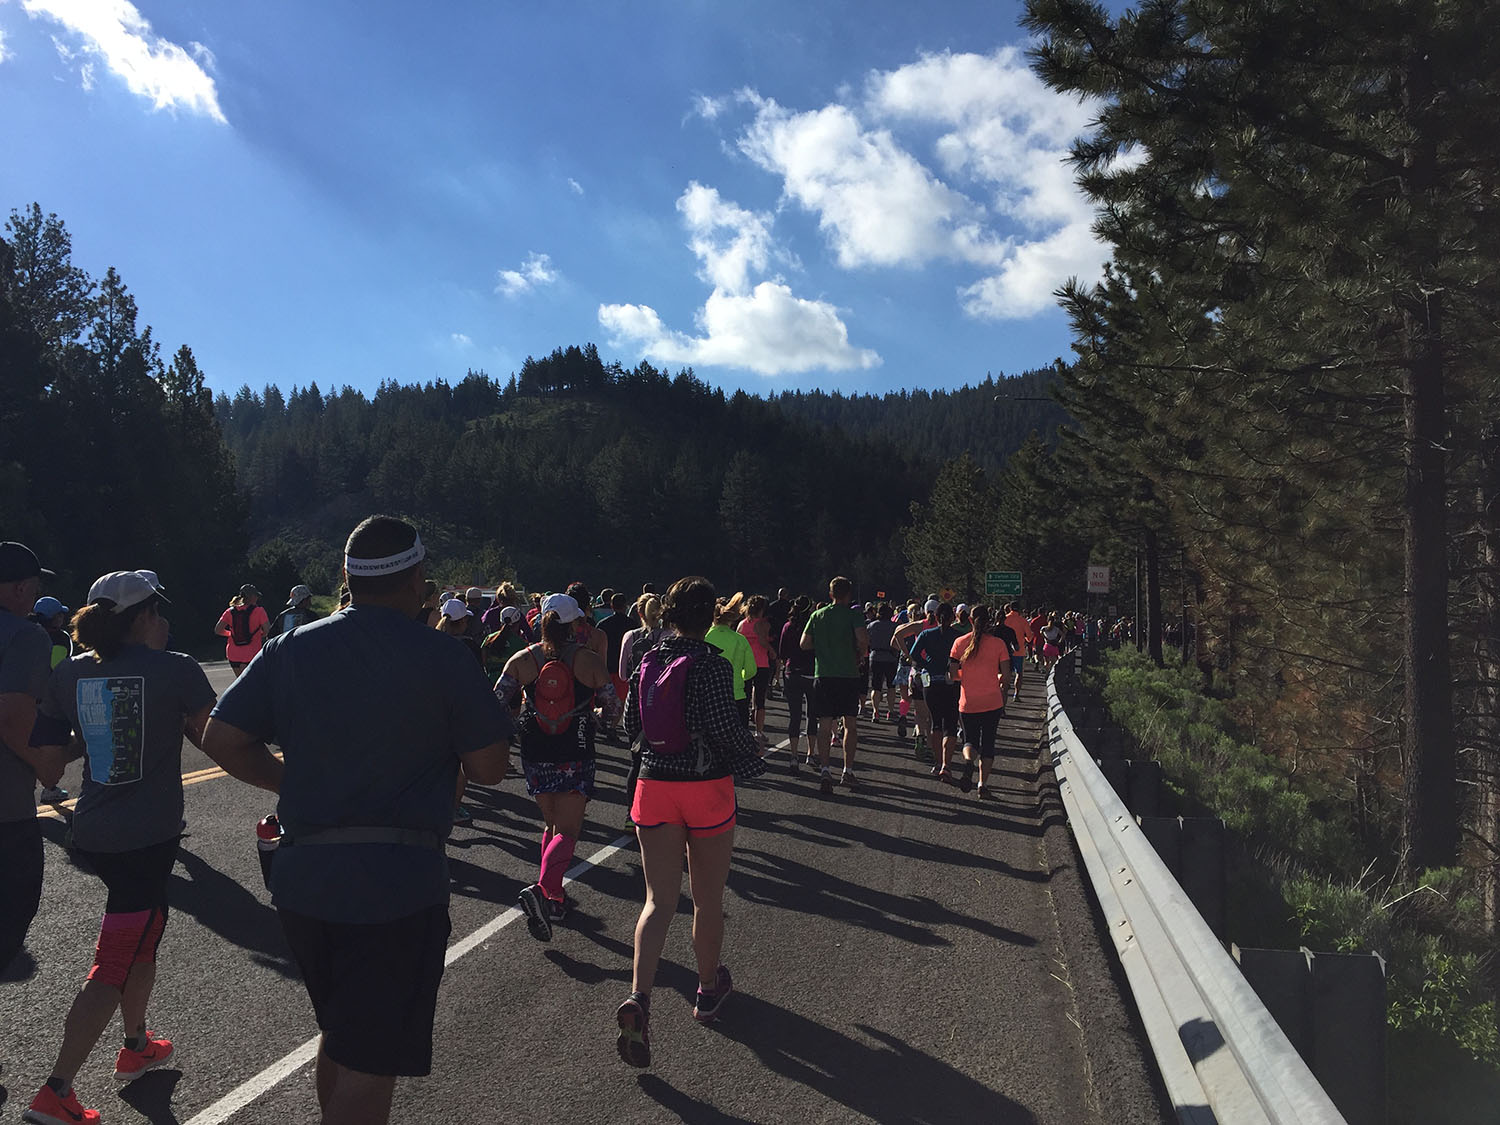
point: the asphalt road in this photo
(905, 953)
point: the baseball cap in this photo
(962, 607)
(48, 607)
(126, 588)
(299, 592)
(931, 606)
(510, 613)
(473, 592)
(18, 562)
(249, 589)
(454, 608)
(561, 604)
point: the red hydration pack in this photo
(552, 693)
(663, 701)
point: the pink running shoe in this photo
(130, 1065)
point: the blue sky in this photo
(863, 195)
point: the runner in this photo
(980, 663)
(52, 616)
(477, 603)
(930, 651)
(799, 684)
(725, 637)
(130, 703)
(454, 621)
(777, 614)
(560, 683)
(585, 632)
(637, 643)
(614, 627)
(298, 611)
(757, 630)
(24, 665)
(370, 694)
(908, 676)
(694, 747)
(1025, 641)
(883, 660)
(1052, 641)
(835, 635)
(507, 639)
(244, 623)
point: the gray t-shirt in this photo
(372, 711)
(128, 712)
(25, 658)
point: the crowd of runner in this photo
(436, 687)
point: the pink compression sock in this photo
(905, 707)
(555, 862)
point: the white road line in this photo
(283, 1068)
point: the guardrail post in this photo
(1331, 1006)
(1193, 849)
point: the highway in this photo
(905, 953)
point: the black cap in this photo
(18, 562)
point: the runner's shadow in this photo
(887, 1080)
(685, 1106)
(585, 972)
(224, 906)
(151, 1096)
(22, 967)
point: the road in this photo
(905, 953)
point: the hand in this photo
(47, 762)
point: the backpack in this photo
(239, 624)
(663, 702)
(552, 693)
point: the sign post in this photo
(1006, 583)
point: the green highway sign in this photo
(1005, 582)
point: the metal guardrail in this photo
(1221, 1054)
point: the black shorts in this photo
(882, 674)
(136, 880)
(373, 987)
(914, 689)
(759, 687)
(836, 697)
(942, 706)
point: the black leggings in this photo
(799, 691)
(759, 687)
(979, 731)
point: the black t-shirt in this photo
(614, 627)
(776, 616)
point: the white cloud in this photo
(768, 330)
(762, 327)
(709, 108)
(152, 67)
(575, 185)
(461, 340)
(4, 54)
(1005, 202)
(535, 271)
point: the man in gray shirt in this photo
(374, 713)
(25, 660)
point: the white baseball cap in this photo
(126, 588)
(962, 607)
(510, 613)
(455, 609)
(561, 604)
(931, 606)
(298, 593)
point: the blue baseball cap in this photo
(49, 607)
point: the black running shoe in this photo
(634, 1020)
(534, 904)
(706, 1007)
(966, 779)
(825, 783)
(901, 727)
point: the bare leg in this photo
(92, 1009)
(353, 1098)
(662, 850)
(708, 869)
(851, 740)
(825, 740)
(135, 997)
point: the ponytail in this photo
(100, 630)
(556, 636)
(980, 617)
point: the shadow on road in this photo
(885, 1079)
(151, 1096)
(685, 1106)
(224, 906)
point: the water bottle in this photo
(268, 835)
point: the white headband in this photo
(374, 568)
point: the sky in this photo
(861, 195)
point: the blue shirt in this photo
(372, 711)
(930, 650)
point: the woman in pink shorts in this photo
(693, 745)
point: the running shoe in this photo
(557, 912)
(130, 1065)
(461, 815)
(939, 772)
(634, 1019)
(533, 902)
(53, 795)
(793, 766)
(966, 779)
(825, 783)
(901, 727)
(47, 1108)
(847, 779)
(985, 791)
(706, 1007)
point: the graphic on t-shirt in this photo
(112, 720)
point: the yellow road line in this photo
(55, 812)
